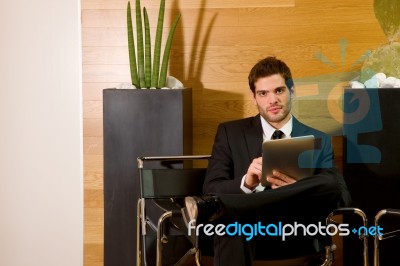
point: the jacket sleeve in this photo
(220, 173)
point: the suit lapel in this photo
(253, 135)
(298, 129)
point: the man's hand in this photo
(253, 175)
(278, 179)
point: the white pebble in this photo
(125, 86)
(397, 83)
(356, 85)
(388, 83)
(380, 77)
(372, 83)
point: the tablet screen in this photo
(291, 156)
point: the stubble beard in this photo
(281, 116)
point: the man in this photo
(234, 175)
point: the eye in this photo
(279, 90)
(261, 93)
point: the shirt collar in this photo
(268, 130)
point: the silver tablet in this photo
(291, 156)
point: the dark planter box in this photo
(372, 162)
(137, 123)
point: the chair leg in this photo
(329, 255)
(360, 213)
(160, 236)
(378, 237)
(197, 257)
(139, 233)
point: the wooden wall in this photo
(216, 44)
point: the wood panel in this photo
(216, 44)
(227, 36)
(116, 4)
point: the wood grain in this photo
(216, 44)
(116, 4)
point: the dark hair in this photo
(268, 67)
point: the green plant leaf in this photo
(157, 45)
(147, 51)
(385, 59)
(387, 14)
(131, 48)
(140, 50)
(167, 50)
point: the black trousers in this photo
(307, 201)
(237, 251)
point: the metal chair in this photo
(165, 189)
(330, 247)
(393, 213)
(363, 237)
(162, 192)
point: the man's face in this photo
(273, 100)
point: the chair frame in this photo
(364, 238)
(377, 237)
(161, 238)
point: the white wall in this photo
(41, 179)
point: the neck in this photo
(280, 124)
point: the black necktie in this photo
(277, 134)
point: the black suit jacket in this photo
(238, 142)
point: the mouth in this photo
(274, 109)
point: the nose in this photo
(272, 98)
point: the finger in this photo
(279, 176)
(256, 170)
(277, 173)
(257, 165)
(273, 181)
(285, 178)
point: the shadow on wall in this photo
(210, 106)
(191, 74)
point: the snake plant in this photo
(143, 73)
